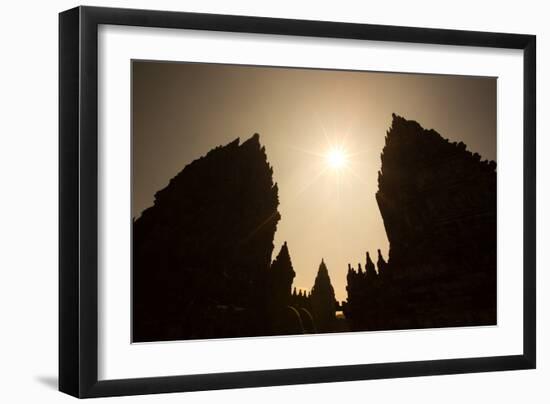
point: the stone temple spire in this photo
(381, 264)
(323, 300)
(369, 267)
(281, 275)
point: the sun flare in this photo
(336, 158)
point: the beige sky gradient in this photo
(182, 110)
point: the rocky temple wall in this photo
(201, 253)
(438, 204)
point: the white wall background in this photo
(28, 200)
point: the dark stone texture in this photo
(202, 252)
(322, 300)
(438, 204)
(280, 278)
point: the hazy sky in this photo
(181, 111)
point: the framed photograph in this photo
(251, 201)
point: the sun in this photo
(336, 158)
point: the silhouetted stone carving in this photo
(284, 316)
(382, 266)
(202, 253)
(438, 204)
(322, 300)
(280, 278)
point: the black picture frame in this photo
(78, 201)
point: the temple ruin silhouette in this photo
(438, 203)
(322, 300)
(202, 254)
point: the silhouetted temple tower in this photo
(323, 302)
(202, 252)
(438, 204)
(382, 265)
(370, 271)
(281, 275)
(435, 197)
